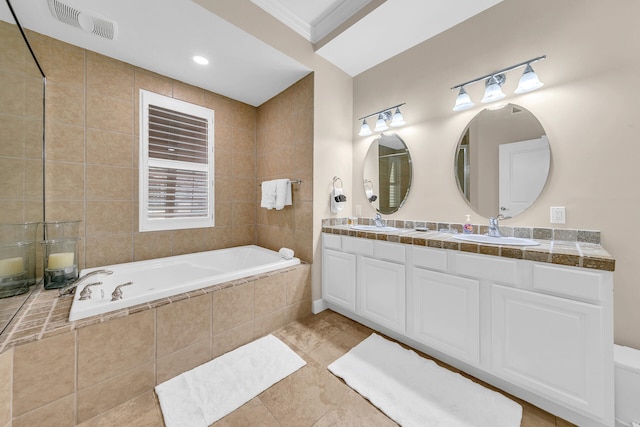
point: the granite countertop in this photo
(583, 250)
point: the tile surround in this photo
(124, 354)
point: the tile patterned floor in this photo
(311, 396)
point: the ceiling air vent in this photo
(90, 22)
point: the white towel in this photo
(283, 193)
(286, 253)
(335, 205)
(268, 194)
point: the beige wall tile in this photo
(109, 77)
(244, 140)
(12, 88)
(269, 323)
(232, 307)
(109, 249)
(223, 162)
(183, 360)
(33, 179)
(109, 113)
(224, 189)
(243, 213)
(298, 283)
(223, 135)
(12, 178)
(303, 216)
(109, 148)
(270, 295)
(65, 142)
(65, 103)
(60, 413)
(222, 107)
(298, 311)
(109, 183)
(244, 164)
(232, 339)
(244, 116)
(120, 344)
(64, 181)
(152, 244)
(244, 189)
(115, 391)
(12, 137)
(6, 373)
(152, 82)
(112, 217)
(183, 323)
(223, 214)
(33, 137)
(218, 237)
(14, 52)
(188, 93)
(243, 235)
(43, 371)
(188, 241)
(62, 62)
(66, 211)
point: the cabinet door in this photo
(551, 346)
(339, 279)
(381, 292)
(446, 313)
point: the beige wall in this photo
(588, 108)
(285, 150)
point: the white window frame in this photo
(175, 223)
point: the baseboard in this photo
(318, 305)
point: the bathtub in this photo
(164, 277)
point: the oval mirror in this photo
(387, 173)
(502, 161)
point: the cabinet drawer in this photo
(574, 283)
(357, 246)
(332, 241)
(393, 252)
(487, 267)
(433, 259)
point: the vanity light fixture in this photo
(494, 81)
(385, 118)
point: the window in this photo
(176, 164)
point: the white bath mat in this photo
(414, 391)
(207, 393)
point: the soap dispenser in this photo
(467, 228)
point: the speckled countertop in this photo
(575, 248)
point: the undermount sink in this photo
(373, 228)
(491, 240)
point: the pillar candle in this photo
(11, 266)
(60, 260)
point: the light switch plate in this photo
(558, 215)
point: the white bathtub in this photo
(163, 277)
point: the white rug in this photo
(414, 391)
(207, 393)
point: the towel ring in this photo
(335, 178)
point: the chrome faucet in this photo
(117, 292)
(494, 228)
(378, 220)
(71, 287)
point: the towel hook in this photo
(335, 178)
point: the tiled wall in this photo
(72, 376)
(21, 90)
(92, 156)
(285, 150)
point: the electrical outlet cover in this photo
(558, 215)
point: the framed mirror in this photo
(502, 161)
(21, 159)
(387, 173)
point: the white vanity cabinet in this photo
(540, 331)
(381, 286)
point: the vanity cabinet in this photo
(446, 313)
(540, 331)
(550, 345)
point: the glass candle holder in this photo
(24, 234)
(60, 262)
(14, 264)
(61, 230)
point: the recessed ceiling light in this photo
(200, 60)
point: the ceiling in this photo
(163, 36)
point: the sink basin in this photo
(483, 238)
(372, 228)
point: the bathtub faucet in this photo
(71, 287)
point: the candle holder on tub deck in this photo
(17, 258)
(60, 253)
